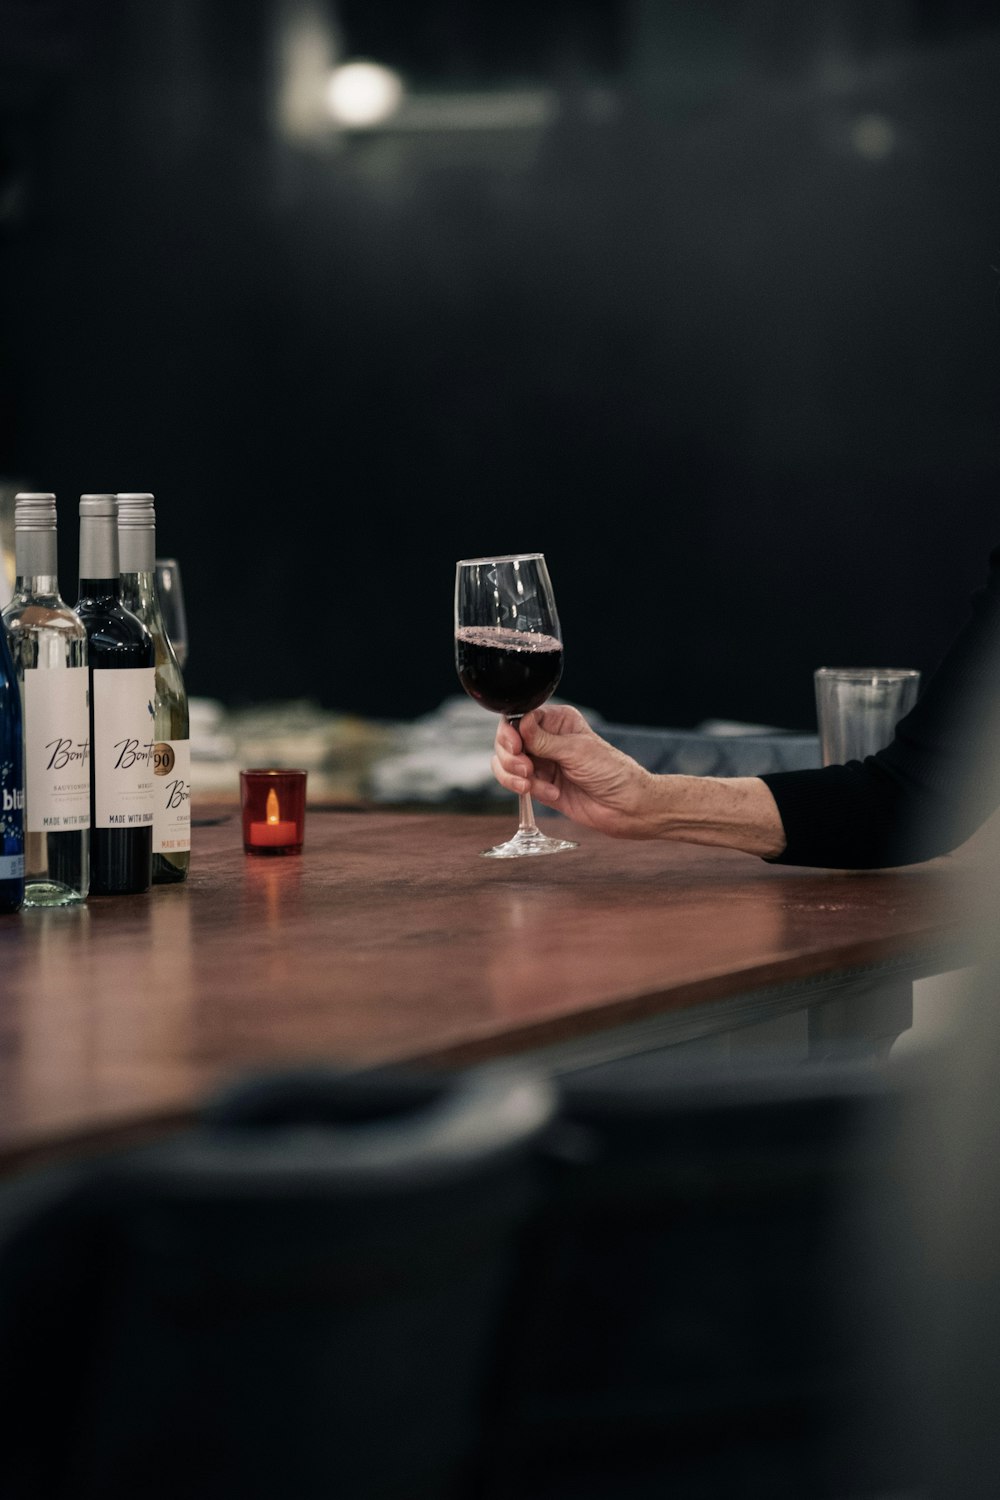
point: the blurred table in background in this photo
(443, 757)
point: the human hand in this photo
(553, 754)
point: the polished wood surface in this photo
(391, 939)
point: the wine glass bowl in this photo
(171, 597)
(507, 671)
(509, 656)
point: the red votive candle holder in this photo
(273, 804)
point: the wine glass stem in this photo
(527, 812)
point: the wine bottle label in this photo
(56, 749)
(11, 816)
(172, 781)
(123, 747)
(11, 866)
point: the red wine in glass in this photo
(508, 671)
(509, 656)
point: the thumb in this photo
(537, 738)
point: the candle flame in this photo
(273, 811)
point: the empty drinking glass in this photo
(858, 709)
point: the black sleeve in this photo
(931, 787)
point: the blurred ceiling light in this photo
(873, 137)
(360, 95)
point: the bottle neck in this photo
(136, 549)
(36, 586)
(35, 555)
(98, 553)
(138, 592)
(137, 559)
(101, 588)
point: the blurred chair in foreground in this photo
(934, 1334)
(677, 1329)
(297, 1298)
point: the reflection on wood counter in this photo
(390, 938)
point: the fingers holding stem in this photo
(514, 768)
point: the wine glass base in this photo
(528, 842)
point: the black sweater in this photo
(928, 790)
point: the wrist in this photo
(735, 812)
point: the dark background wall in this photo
(697, 297)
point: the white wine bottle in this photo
(172, 751)
(49, 647)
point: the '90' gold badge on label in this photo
(163, 758)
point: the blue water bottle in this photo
(11, 784)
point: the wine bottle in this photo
(48, 645)
(11, 784)
(122, 688)
(172, 750)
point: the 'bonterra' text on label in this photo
(123, 747)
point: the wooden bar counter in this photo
(391, 939)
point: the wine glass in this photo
(171, 597)
(508, 653)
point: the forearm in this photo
(736, 812)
